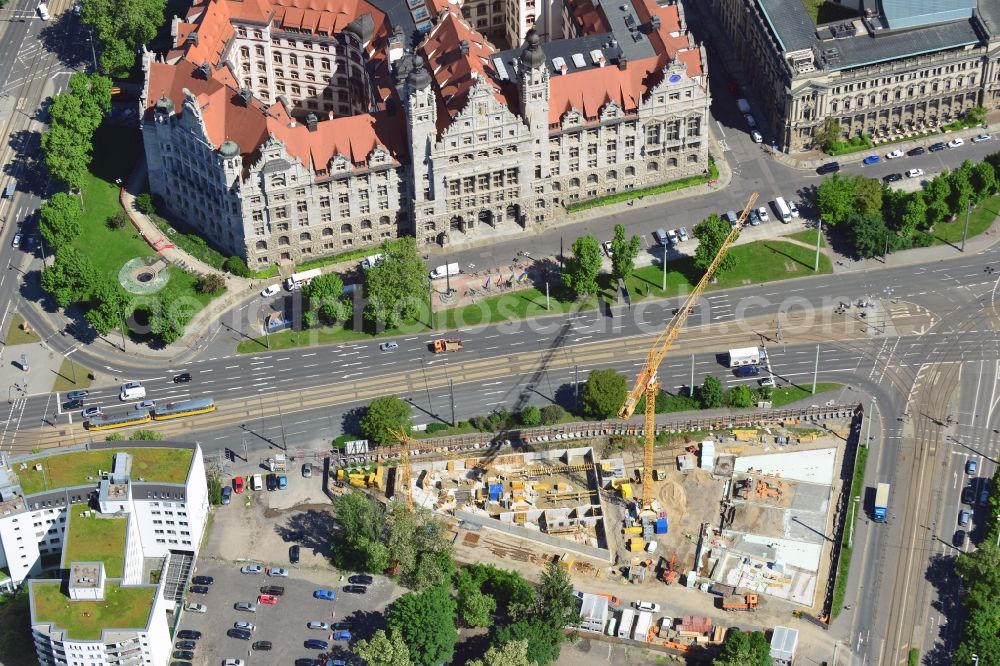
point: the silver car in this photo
(318, 624)
(252, 569)
(247, 606)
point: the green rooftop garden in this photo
(163, 465)
(92, 539)
(121, 608)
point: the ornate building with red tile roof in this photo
(286, 130)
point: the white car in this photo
(982, 137)
(16, 241)
(762, 214)
(767, 381)
(793, 209)
(270, 290)
(756, 136)
(607, 247)
(243, 624)
(234, 662)
(894, 154)
(252, 569)
(318, 624)
(197, 608)
(682, 233)
(647, 606)
(278, 571)
(914, 173)
(956, 142)
(672, 237)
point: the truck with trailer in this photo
(299, 280)
(447, 345)
(744, 356)
(881, 501)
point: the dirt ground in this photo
(689, 499)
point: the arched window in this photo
(629, 171)
(574, 182)
(653, 166)
(346, 229)
(261, 245)
(612, 175)
(672, 162)
(283, 240)
(384, 220)
(305, 236)
(327, 231)
(592, 178)
(366, 224)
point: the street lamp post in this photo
(93, 53)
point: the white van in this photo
(256, 483)
(781, 208)
(444, 270)
(132, 391)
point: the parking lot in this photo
(259, 527)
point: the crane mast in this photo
(646, 383)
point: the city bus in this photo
(177, 410)
(105, 422)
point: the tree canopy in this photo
(475, 608)
(741, 649)
(623, 253)
(740, 397)
(384, 649)
(59, 221)
(711, 234)
(325, 296)
(121, 26)
(426, 621)
(398, 285)
(583, 266)
(110, 306)
(512, 653)
(543, 641)
(555, 602)
(711, 393)
(385, 419)
(603, 394)
(70, 278)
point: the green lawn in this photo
(92, 539)
(826, 12)
(122, 607)
(189, 241)
(980, 220)
(17, 335)
(808, 236)
(662, 188)
(789, 394)
(69, 370)
(844, 560)
(79, 468)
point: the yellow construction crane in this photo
(405, 471)
(646, 382)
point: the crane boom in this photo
(646, 382)
(405, 470)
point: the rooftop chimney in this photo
(205, 70)
(245, 95)
(622, 62)
(463, 47)
(311, 121)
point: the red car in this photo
(238, 484)
(268, 599)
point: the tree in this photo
(419, 544)
(936, 194)
(829, 135)
(59, 220)
(67, 155)
(869, 234)
(110, 306)
(868, 195)
(835, 198)
(531, 416)
(148, 435)
(984, 180)
(326, 297)
(210, 284)
(117, 221)
(552, 414)
(555, 603)
(582, 268)
(975, 115)
(237, 267)
(475, 609)
(214, 490)
(358, 546)
(512, 653)
(384, 650)
(711, 393)
(741, 649)
(914, 215)
(623, 253)
(426, 621)
(94, 91)
(543, 641)
(67, 111)
(385, 419)
(144, 203)
(70, 277)
(962, 190)
(603, 394)
(396, 286)
(711, 234)
(121, 26)
(740, 397)
(514, 595)
(167, 323)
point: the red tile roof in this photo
(354, 137)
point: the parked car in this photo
(183, 654)
(754, 218)
(964, 517)
(919, 150)
(682, 233)
(793, 209)
(607, 247)
(968, 496)
(91, 412)
(762, 214)
(984, 498)
(16, 241)
(196, 608)
(767, 381)
(388, 346)
(671, 236)
(270, 290)
(937, 147)
(892, 177)
(872, 159)
(957, 142)
(253, 569)
(971, 466)
(272, 482)
(647, 606)
(261, 645)
(306, 661)
(979, 138)
(203, 580)
(756, 136)
(234, 662)
(661, 236)
(238, 484)
(199, 589)
(245, 624)
(891, 155)
(276, 590)
(316, 644)
(324, 594)
(307, 470)
(278, 571)
(361, 579)
(268, 599)
(318, 624)
(282, 482)
(356, 589)
(958, 540)
(342, 635)
(293, 554)
(227, 493)
(247, 606)
(186, 645)
(241, 634)
(189, 633)
(914, 173)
